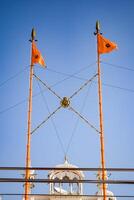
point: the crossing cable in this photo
(73, 75)
(25, 100)
(53, 85)
(52, 120)
(51, 114)
(77, 121)
(48, 87)
(77, 113)
(104, 84)
(75, 93)
(85, 84)
(69, 76)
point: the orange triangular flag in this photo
(36, 56)
(105, 45)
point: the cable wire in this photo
(48, 87)
(77, 113)
(52, 120)
(75, 93)
(51, 114)
(51, 70)
(85, 84)
(118, 66)
(14, 76)
(58, 82)
(77, 122)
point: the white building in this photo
(69, 190)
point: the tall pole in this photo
(101, 115)
(28, 147)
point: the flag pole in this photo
(101, 115)
(28, 147)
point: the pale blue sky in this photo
(66, 40)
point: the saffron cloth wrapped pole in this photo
(103, 46)
(36, 57)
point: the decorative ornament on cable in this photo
(65, 102)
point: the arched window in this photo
(65, 178)
(75, 186)
(66, 186)
(56, 184)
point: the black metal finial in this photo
(97, 27)
(33, 34)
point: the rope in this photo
(52, 120)
(77, 121)
(48, 87)
(85, 84)
(84, 119)
(46, 119)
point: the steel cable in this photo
(52, 120)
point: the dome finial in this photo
(66, 159)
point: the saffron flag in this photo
(36, 56)
(105, 45)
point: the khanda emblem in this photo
(108, 45)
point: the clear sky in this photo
(65, 37)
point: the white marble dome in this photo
(66, 188)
